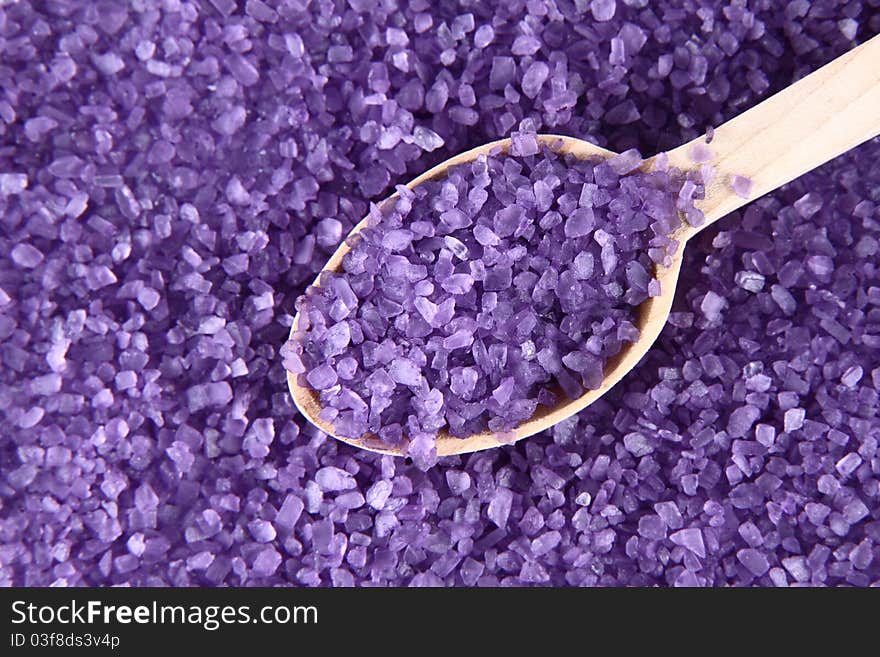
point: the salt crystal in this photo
(855, 511)
(848, 27)
(427, 139)
(603, 541)
(262, 531)
(754, 561)
(500, 506)
(852, 376)
(289, 512)
(670, 514)
(797, 567)
(637, 444)
(692, 539)
(31, 417)
(378, 494)
(626, 162)
(765, 434)
(349, 501)
(712, 306)
(13, 183)
(266, 562)
(534, 78)
(405, 372)
(231, 120)
(603, 10)
(27, 256)
(484, 36)
(751, 281)
(458, 283)
(35, 128)
(126, 379)
(700, 153)
(652, 527)
(109, 63)
(741, 186)
(580, 223)
(848, 464)
(397, 240)
(794, 419)
(458, 482)
(322, 377)
(808, 204)
(332, 479)
(741, 420)
(525, 44)
(783, 299)
(236, 193)
(148, 298)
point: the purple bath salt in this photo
(241, 183)
(470, 301)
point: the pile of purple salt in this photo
(474, 299)
(173, 174)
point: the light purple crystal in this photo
(534, 78)
(603, 10)
(499, 507)
(754, 561)
(741, 185)
(334, 479)
(701, 153)
(692, 539)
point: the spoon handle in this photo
(800, 128)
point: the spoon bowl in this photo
(652, 315)
(819, 117)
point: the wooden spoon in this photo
(814, 120)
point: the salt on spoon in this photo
(800, 128)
